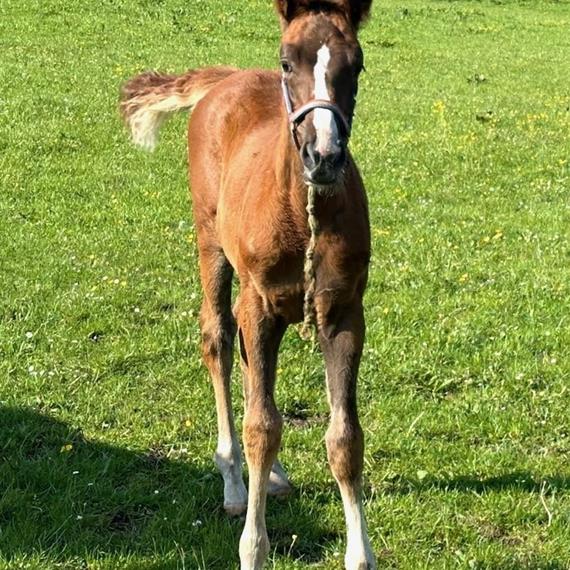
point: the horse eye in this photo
(286, 67)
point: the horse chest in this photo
(280, 281)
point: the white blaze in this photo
(323, 119)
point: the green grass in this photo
(107, 421)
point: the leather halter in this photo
(298, 116)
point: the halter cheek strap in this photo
(298, 116)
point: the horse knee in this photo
(262, 435)
(345, 449)
(217, 336)
(214, 345)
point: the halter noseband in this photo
(298, 116)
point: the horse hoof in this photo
(279, 485)
(235, 509)
(279, 490)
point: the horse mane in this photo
(355, 11)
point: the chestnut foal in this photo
(257, 140)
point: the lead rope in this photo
(309, 268)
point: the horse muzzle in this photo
(322, 167)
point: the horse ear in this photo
(286, 10)
(359, 11)
(356, 10)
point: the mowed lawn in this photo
(107, 424)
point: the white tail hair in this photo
(147, 100)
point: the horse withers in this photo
(264, 146)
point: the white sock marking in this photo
(228, 460)
(359, 555)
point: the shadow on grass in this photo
(63, 498)
(518, 480)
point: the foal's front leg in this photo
(260, 336)
(341, 344)
(218, 331)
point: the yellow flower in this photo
(438, 107)
(66, 448)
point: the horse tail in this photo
(147, 100)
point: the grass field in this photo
(107, 423)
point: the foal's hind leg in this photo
(342, 348)
(218, 332)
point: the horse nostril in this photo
(335, 158)
(317, 157)
(311, 157)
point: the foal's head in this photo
(321, 60)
